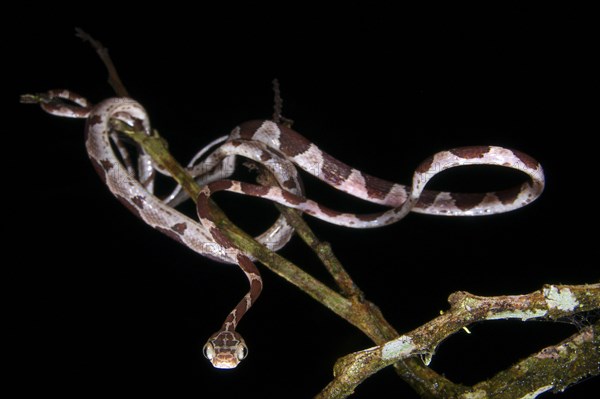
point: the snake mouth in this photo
(225, 363)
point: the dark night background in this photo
(105, 305)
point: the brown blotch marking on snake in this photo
(335, 171)
(235, 143)
(253, 189)
(471, 152)
(220, 185)
(292, 143)
(107, 165)
(179, 228)
(247, 129)
(264, 156)
(202, 205)
(425, 165)
(509, 195)
(289, 184)
(291, 198)
(526, 159)
(220, 238)
(468, 201)
(327, 211)
(426, 199)
(367, 217)
(138, 200)
(376, 187)
(250, 268)
(94, 120)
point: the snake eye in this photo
(241, 351)
(209, 351)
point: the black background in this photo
(105, 305)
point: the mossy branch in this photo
(551, 302)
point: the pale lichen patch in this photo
(561, 299)
(539, 391)
(479, 394)
(517, 314)
(551, 352)
(399, 346)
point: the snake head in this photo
(225, 349)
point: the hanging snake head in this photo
(225, 349)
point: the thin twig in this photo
(278, 106)
(277, 102)
(113, 77)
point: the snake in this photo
(400, 198)
(277, 147)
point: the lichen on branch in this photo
(550, 302)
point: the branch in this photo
(113, 77)
(553, 368)
(551, 302)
